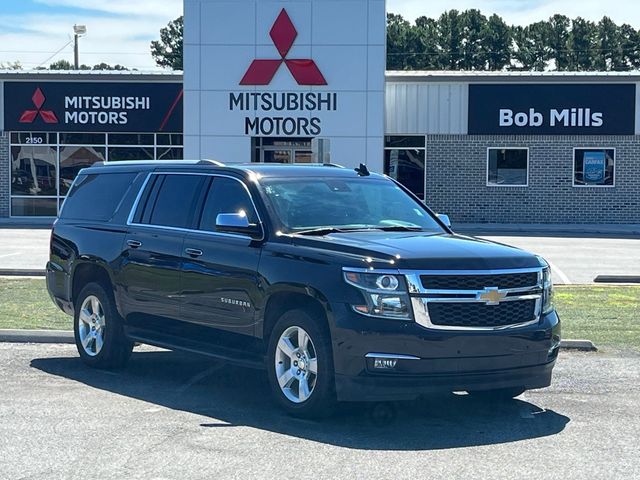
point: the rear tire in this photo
(498, 395)
(300, 365)
(98, 329)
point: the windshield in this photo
(304, 204)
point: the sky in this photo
(119, 31)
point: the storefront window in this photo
(44, 164)
(404, 160)
(507, 167)
(117, 154)
(594, 167)
(74, 159)
(33, 170)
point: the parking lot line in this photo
(554, 269)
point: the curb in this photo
(19, 272)
(36, 336)
(579, 345)
(617, 279)
(62, 336)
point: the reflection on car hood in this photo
(420, 250)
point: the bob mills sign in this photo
(548, 109)
(305, 69)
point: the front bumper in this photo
(442, 360)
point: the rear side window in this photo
(96, 197)
(226, 196)
(172, 200)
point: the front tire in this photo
(300, 365)
(98, 329)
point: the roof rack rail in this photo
(145, 162)
(209, 161)
(334, 165)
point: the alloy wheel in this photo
(91, 325)
(296, 364)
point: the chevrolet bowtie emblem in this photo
(491, 296)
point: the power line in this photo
(56, 53)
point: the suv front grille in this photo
(478, 282)
(476, 300)
(475, 314)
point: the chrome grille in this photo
(476, 300)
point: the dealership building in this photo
(275, 81)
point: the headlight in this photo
(547, 291)
(385, 295)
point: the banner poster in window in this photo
(593, 167)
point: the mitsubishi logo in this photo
(29, 116)
(491, 296)
(304, 70)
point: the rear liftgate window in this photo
(96, 197)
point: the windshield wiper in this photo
(400, 228)
(323, 231)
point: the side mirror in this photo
(445, 219)
(237, 223)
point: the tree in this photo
(497, 43)
(450, 39)
(397, 42)
(167, 52)
(531, 50)
(105, 66)
(427, 43)
(472, 48)
(66, 65)
(11, 65)
(582, 44)
(558, 41)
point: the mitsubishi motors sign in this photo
(284, 70)
(262, 71)
(92, 107)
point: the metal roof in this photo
(517, 76)
(115, 75)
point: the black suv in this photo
(340, 282)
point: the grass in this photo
(607, 315)
(25, 304)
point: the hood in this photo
(421, 251)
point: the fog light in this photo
(385, 363)
(555, 344)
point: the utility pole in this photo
(78, 30)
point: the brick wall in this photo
(5, 175)
(456, 172)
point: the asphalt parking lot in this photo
(575, 260)
(169, 415)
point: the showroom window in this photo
(404, 160)
(507, 167)
(43, 165)
(594, 167)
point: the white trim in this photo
(487, 184)
(573, 167)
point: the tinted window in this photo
(226, 196)
(507, 166)
(96, 197)
(365, 203)
(177, 196)
(406, 166)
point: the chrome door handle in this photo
(134, 243)
(193, 252)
